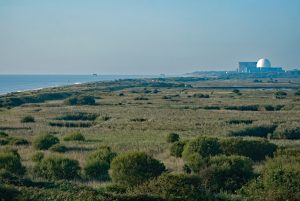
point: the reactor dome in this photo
(263, 63)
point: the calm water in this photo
(14, 83)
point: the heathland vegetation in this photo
(167, 139)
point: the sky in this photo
(145, 37)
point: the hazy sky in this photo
(145, 36)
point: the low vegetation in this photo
(45, 141)
(74, 137)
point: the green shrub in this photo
(236, 91)
(172, 137)
(98, 163)
(134, 168)
(279, 180)
(58, 148)
(38, 156)
(4, 141)
(95, 169)
(11, 162)
(27, 119)
(273, 107)
(176, 149)
(141, 98)
(175, 187)
(71, 124)
(204, 146)
(289, 131)
(239, 121)
(18, 141)
(297, 93)
(8, 193)
(81, 100)
(257, 150)
(74, 137)
(227, 173)
(243, 107)
(255, 131)
(3, 134)
(280, 94)
(199, 95)
(80, 116)
(57, 168)
(45, 141)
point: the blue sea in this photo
(16, 83)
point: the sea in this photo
(18, 83)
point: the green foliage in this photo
(74, 137)
(239, 121)
(10, 161)
(175, 187)
(45, 141)
(38, 156)
(141, 98)
(257, 150)
(27, 119)
(81, 100)
(227, 173)
(280, 94)
(289, 131)
(98, 163)
(255, 131)
(297, 93)
(56, 167)
(279, 180)
(273, 107)
(172, 137)
(199, 95)
(243, 107)
(134, 168)
(96, 169)
(204, 146)
(176, 149)
(236, 91)
(58, 148)
(18, 141)
(80, 116)
(8, 193)
(3, 134)
(71, 124)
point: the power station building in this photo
(262, 66)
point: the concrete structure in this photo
(262, 66)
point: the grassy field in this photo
(138, 115)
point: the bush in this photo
(45, 141)
(18, 141)
(273, 107)
(134, 168)
(255, 131)
(204, 146)
(71, 124)
(3, 134)
(74, 137)
(11, 162)
(8, 193)
(172, 137)
(279, 180)
(80, 116)
(239, 121)
(280, 94)
(227, 173)
(257, 150)
(297, 93)
(81, 100)
(98, 163)
(141, 98)
(95, 169)
(176, 149)
(175, 187)
(200, 95)
(37, 157)
(58, 148)
(57, 168)
(289, 131)
(27, 119)
(243, 107)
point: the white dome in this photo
(263, 63)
